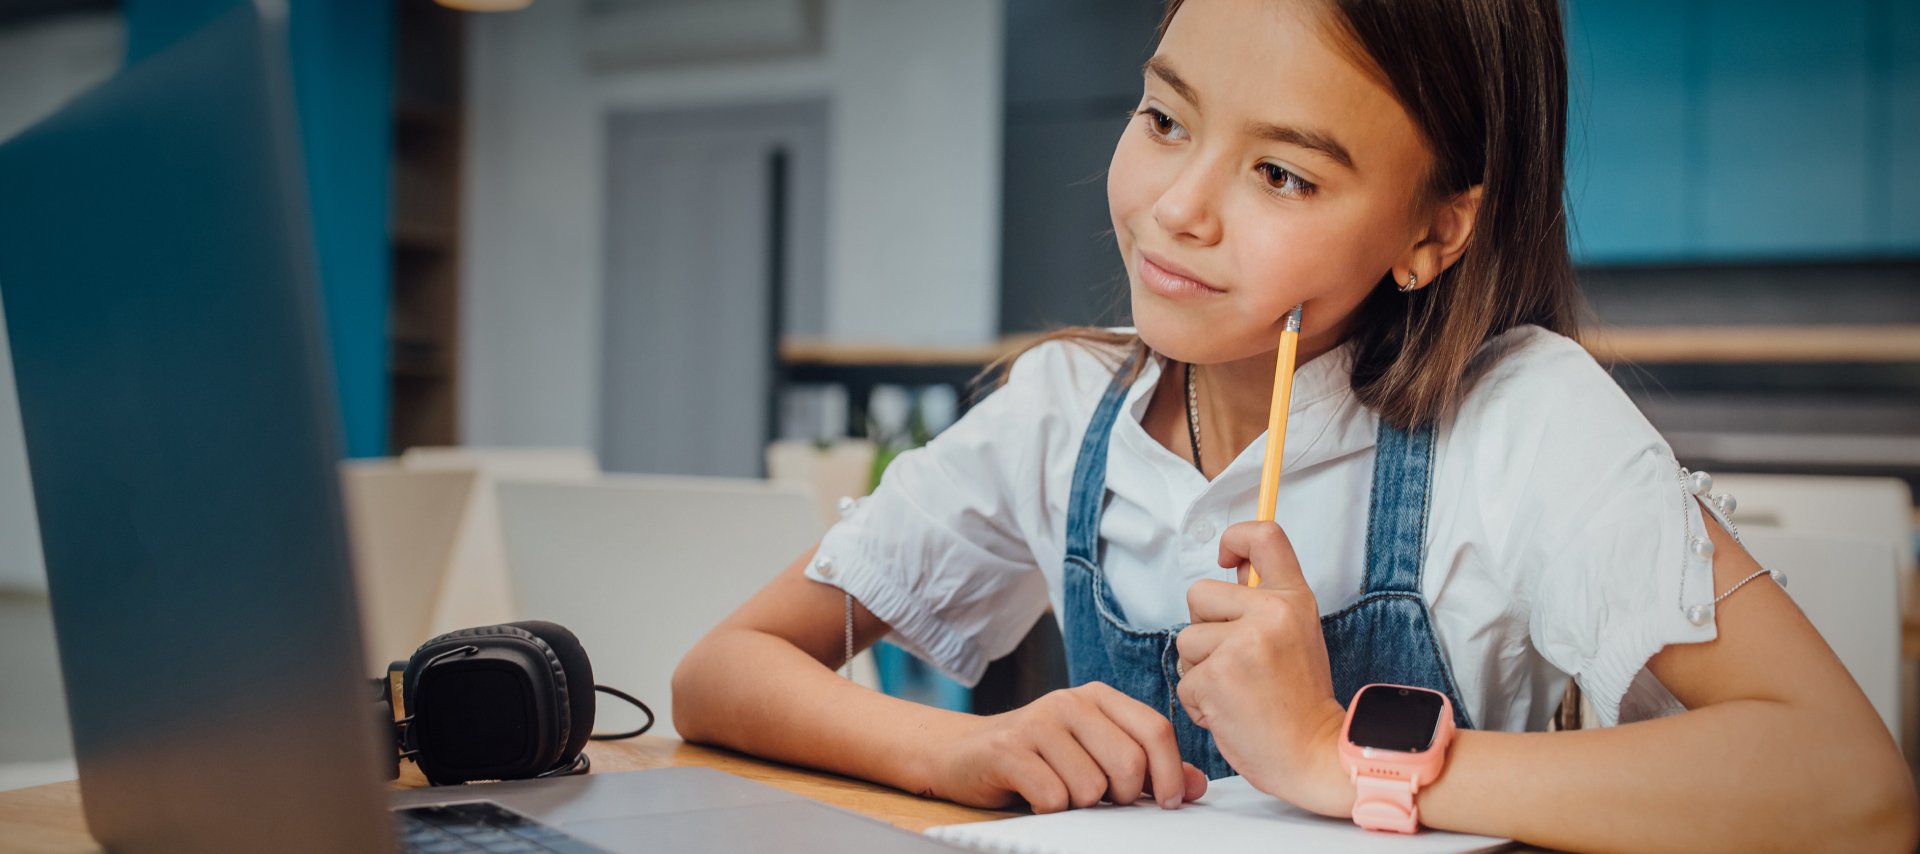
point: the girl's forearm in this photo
(1749, 775)
(759, 694)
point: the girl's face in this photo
(1262, 169)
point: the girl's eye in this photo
(1160, 125)
(1282, 182)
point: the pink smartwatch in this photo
(1394, 742)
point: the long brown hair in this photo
(1485, 81)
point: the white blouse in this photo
(1562, 539)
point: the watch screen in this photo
(1390, 718)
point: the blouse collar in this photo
(1324, 420)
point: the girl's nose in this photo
(1187, 209)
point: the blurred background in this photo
(615, 244)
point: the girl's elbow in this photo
(684, 696)
(1880, 805)
(1899, 811)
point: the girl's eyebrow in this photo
(1303, 137)
(1158, 67)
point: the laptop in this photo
(158, 278)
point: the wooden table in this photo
(48, 819)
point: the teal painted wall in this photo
(1740, 130)
(343, 83)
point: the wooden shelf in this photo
(1888, 344)
(423, 367)
(415, 117)
(813, 351)
(421, 237)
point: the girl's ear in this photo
(1449, 229)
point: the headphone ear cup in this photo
(453, 755)
(577, 673)
(477, 635)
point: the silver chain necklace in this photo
(1193, 418)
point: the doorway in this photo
(716, 247)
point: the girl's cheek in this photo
(1130, 180)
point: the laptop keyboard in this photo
(480, 826)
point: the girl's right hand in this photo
(1071, 748)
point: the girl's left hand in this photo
(1257, 677)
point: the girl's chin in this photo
(1188, 339)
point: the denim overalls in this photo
(1387, 636)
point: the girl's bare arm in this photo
(764, 682)
(1780, 751)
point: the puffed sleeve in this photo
(1612, 548)
(943, 551)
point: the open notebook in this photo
(1234, 816)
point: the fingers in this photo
(1199, 640)
(1120, 757)
(1094, 743)
(1188, 693)
(1037, 783)
(1267, 547)
(1193, 780)
(1210, 601)
(1085, 782)
(1196, 781)
(1153, 733)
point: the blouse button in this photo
(824, 566)
(1700, 483)
(846, 505)
(1701, 546)
(1201, 531)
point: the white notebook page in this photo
(1232, 817)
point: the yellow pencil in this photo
(1277, 425)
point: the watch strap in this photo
(1384, 803)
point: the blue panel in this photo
(343, 70)
(1785, 151)
(909, 678)
(1627, 126)
(1897, 57)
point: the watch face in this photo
(1388, 717)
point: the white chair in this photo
(838, 469)
(1879, 508)
(640, 567)
(402, 525)
(477, 590)
(1846, 586)
(518, 463)
(428, 552)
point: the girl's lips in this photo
(1162, 280)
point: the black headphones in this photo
(504, 702)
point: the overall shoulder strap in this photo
(1090, 470)
(1397, 515)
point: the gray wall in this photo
(690, 235)
(1073, 74)
(912, 222)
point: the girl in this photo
(1471, 505)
